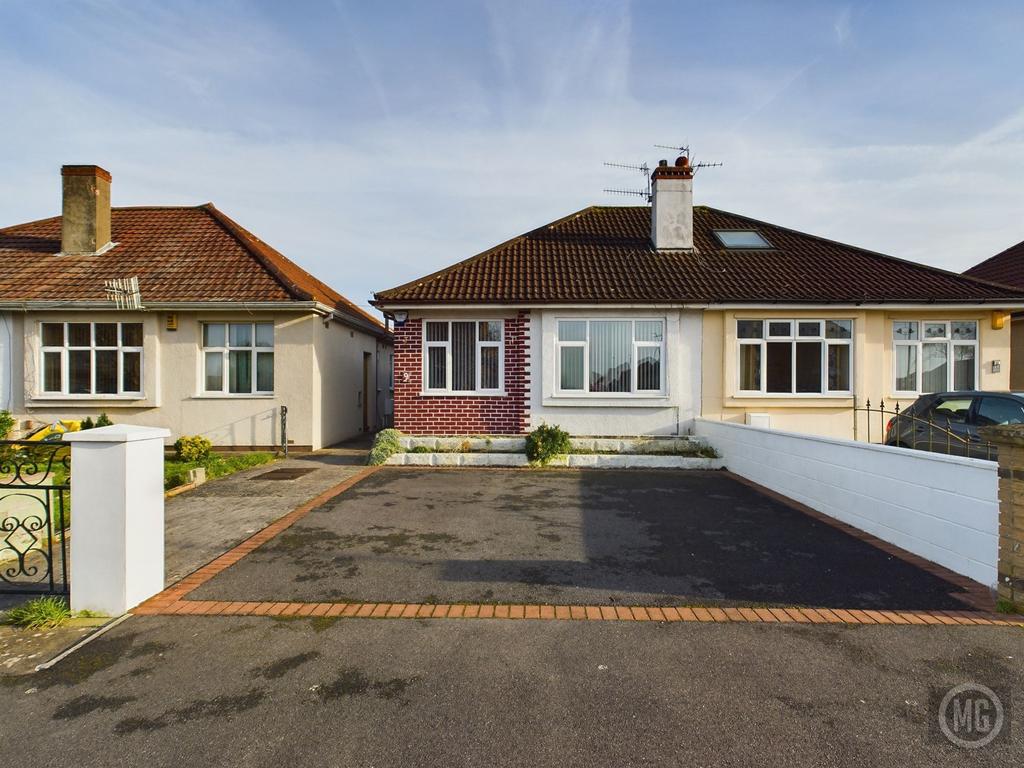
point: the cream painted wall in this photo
(671, 413)
(311, 378)
(872, 369)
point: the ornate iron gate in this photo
(35, 493)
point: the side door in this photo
(991, 410)
(945, 426)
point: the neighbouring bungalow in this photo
(1007, 268)
(635, 320)
(229, 332)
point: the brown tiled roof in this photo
(1006, 267)
(604, 255)
(179, 254)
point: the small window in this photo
(741, 238)
(463, 355)
(238, 358)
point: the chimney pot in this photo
(85, 213)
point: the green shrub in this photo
(385, 445)
(194, 448)
(87, 423)
(40, 613)
(546, 442)
(216, 465)
(104, 421)
(6, 424)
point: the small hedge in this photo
(385, 445)
(546, 442)
(194, 448)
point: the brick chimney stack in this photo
(672, 205)
(85, 215)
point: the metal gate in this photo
(35, 521)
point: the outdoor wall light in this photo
(400, 317)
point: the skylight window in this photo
(741, 238)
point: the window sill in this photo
(439, 393)
(606, 401)
(65, 398)
(789, 401)
(236, 396)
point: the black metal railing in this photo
(35, 490)
(908, 430)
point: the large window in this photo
(463, 355)
(92, 358)
(935, 355)
(238, 358)
(610, 357)
(795, 357)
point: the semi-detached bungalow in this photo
(635, 320)
(228, 333)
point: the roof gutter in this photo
(449, 306)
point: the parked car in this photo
(948, 422)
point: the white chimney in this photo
(672, 206)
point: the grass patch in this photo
(39, 613)
(1007, 606)
(216, 465)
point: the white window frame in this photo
(793, 337)
(947, 339)
(448, 361)
(636, 345)
(65, 361)
(225, 351)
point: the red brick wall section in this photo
(416, 414)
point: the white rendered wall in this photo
(943, 508)
(6, 361)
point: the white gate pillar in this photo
(117, 517)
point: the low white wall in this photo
(943, 508)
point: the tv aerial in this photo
(685, 150)
(124, 292)
(641, 168)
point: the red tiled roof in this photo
(179, 254)
(604, 255)
(1006, 267)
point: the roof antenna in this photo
(685, 150)
(124, 292)
(642, 168)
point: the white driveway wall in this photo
(668, 414)
(943, 508)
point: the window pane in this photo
(965, 330)
(935, 330)
(750, 367)
(808, 366)
(839, 329)
(572, 368)
(808, 328)
(650, 330)
(648, 368)
(80, 372)
(213, 335)
(214, 371)
(79, 334)
(436, 361)
(750, 329)
(741, 238)
(779, 376)
(240, 371)
(463, 356)
(490, 330)
(489, 368)
(240, 335)
(106, 334)
(903, 330)
(264, 371)
(999, 410)
(780, 328)
(52, 381)
(934, 368)
(264, 334)
(611, 355)
(106, 372)
(53, 334)
(572, 330)
(839, 368)
(963, 366)
(131, 371)
(131, 334)
(906, 368)
(437, 331)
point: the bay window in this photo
(463, 355)
(238, 358)
(934, 355)
(795, 357)
(610, 357)
(97, 359)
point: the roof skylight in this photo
(741, 238)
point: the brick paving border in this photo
(172, 601)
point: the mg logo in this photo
(971, 715)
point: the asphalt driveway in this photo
(594, 537)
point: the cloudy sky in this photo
(376, 142)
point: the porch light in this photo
(400, 317)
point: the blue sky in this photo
(376, 142)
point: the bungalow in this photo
(223, 334)
(1007, 268)
(635, 320)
